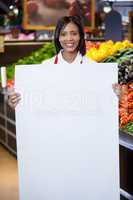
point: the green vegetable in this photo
(109, 59)
(129, 128)
(36, 57)
(124, 58)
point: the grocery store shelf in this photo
(126, 140)
(19, 43)
(126, 194)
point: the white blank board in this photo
(67, 132)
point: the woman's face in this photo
(69, 37)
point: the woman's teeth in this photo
(69, 45)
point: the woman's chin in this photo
(70, 50)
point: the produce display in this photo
(120, 52)
(126, 108)
(124, 58)
(106, 49)
(128, 128)
(36, 57)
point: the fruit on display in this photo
(124, 58)
(120, 52)
(123, 55)
(126, 104)
(120, 55)
(90, 45)
(10, 83)
(107, 49)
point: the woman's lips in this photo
(69, 45)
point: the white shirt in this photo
(61, 60)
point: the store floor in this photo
(8, 176)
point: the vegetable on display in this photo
(36, 57)
(120, 52)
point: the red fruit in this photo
(131, 85)
(97, 45)
(32, 7)
(10, 83)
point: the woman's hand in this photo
(120, 90)
(117, 89)
(14, 99)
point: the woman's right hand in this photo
(14, 99)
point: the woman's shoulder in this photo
(88, 60)
(50, 60)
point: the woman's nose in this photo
(69, 37)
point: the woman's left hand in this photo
(117, 89)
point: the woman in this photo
(70, 47)
(69, 41)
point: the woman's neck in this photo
(68, 56)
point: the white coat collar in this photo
(78, 58)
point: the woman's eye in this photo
(74, 33)
(63, 34)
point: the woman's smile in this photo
(69, 45)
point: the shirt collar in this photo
(78, 58)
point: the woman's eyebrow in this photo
(69, 31)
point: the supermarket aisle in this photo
(8, 176)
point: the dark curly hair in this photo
(61, 24)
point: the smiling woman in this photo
(69, 38)
(70, 47)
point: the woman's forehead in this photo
(69, 26)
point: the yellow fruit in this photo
(119, 45)
(126, 43)
(131, 44)
(110, 42)
(107, 49)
